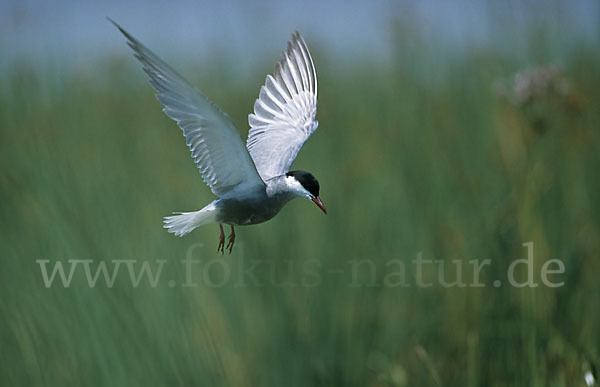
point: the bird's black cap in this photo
(307, 180)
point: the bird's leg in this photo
(231, 240)
(221, 240)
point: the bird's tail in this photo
(183, 223)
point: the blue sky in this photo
(67, 32)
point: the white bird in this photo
(254, 182)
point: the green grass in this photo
(406, 165)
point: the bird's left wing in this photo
(284, 113)
(211, 135)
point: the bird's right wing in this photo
(211, 135)
(284, 113)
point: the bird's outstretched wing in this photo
(284, 113)
(211, 135)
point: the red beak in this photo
(317, 200)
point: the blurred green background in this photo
(458, 154)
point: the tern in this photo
(253, 182)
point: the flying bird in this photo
(253, 182)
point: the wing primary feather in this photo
(285, 74)
(271, 97)
(293, 67)
(303, 70)
(309, 60)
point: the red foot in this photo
(231, 240)
(221, 240)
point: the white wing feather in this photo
(211, 135)
(284, 113)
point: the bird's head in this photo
(304, 184)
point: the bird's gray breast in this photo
(253, 209)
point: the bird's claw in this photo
(221, 241)
(230, 243)
(231, 240)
